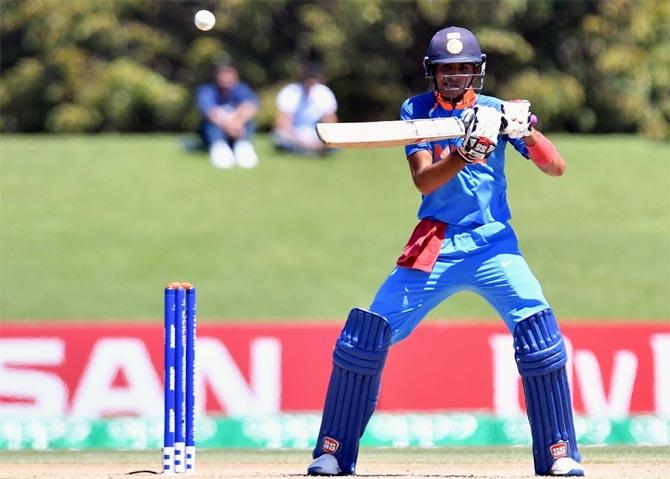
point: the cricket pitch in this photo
(600, 462)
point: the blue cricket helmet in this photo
(454, 45)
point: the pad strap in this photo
(353, 390)
(541, 357)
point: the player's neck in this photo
(462, 102)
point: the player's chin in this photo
(452, 93)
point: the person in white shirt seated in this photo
(300, 106)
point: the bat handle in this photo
(533, 121)
(467, 119)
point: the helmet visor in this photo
(457, 83)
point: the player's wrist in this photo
(462, 156)
(543, 151)
(531, 139)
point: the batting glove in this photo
(481, 136)
(516, 118)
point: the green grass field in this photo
(610, 463)
(93, 227)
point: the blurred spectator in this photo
(300, 106)
(228, 107)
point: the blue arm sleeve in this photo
(520, 146)
(205, 98)
(245, 94)
(408, 112)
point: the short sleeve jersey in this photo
(307, 107)
(477, 195)
(209, 96)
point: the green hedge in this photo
(131, 65)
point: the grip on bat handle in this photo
(533, 121)
(468, 116)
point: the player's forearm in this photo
(544, 154)
(217, 116)
(284, 127)
(245, 112)
(329, 118)
(429, 176)
(288, 133)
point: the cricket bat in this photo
(380, 134)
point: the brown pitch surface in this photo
(475, 463)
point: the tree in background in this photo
(627, 46)
(130, 65)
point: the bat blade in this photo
(380, 134)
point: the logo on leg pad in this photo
(330, 445)
(558, 450)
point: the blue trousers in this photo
(210, 133)
(485, 260)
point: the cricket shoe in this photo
(245, 155)
(566, 467)
(325, 465)
(221, 156)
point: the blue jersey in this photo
(209, 95)
(477, 195)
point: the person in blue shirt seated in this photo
(228, 107)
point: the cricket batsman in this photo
(463, 241)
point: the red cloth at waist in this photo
(423, 247)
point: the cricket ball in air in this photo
(204, 20)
